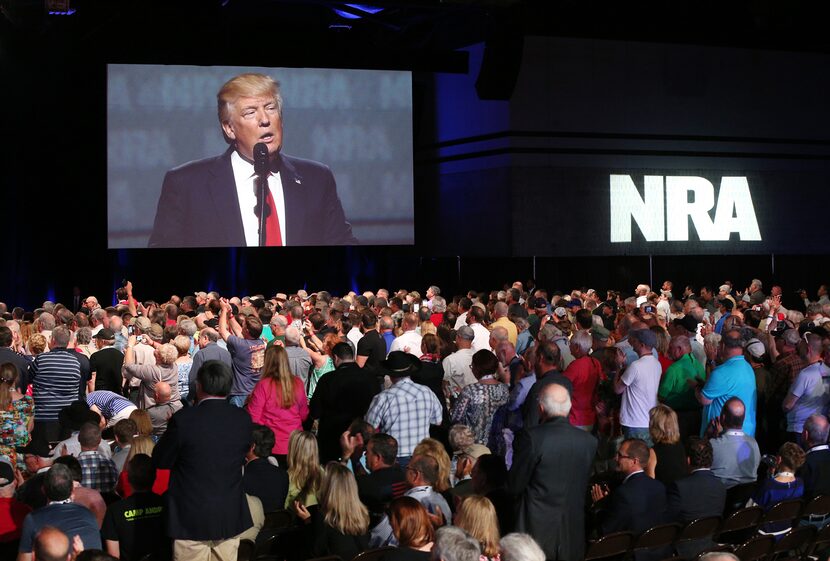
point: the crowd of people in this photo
(513, 425)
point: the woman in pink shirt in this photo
(278, 400)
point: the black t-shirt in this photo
(138, 524)
(373, 346)
(107, 364)
(21, 362)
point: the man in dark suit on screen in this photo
(549, 476)
(205, 448)
(213, 202)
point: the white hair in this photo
(520, 547)
(292, 336)
(583, 340)
(552, 406)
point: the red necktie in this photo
(272, 223)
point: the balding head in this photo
(680, 345)
(51, 545)
(554, 401)
(733, 414)
(163, 392)
(816, 430)
(292, 336)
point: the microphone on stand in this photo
(262, 169)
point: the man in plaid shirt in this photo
(406, 410)
(99, 473)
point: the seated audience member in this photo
(353, 445)
(520, 547)
(477, 516)
(464, 469)
(262, 479)
(112, 407)
(781, 486)
(99, 472)
(385, 480)
(421, 476)
(412, 529)
(735, 454)
(699, 494)
(433, 449)
(143, 445)
(72, 417)
(304, 471)
(640, 502)
(12, 511)
(460, 438)
(164, 408)
(70, 518)
(816, 469)
(667, 459)
(134, 527)
(84, 496)
(478, 402)
(454, 544)
(340, 526)
(142, 421)
(124, 432)
(51, 544)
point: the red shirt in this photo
(124, 489)
(12, 513)
(584, 373)
(436, 319)
(665, 362)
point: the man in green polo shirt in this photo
(677, 388)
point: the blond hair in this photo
(142, 420)
(36, 343)
(662, 425)
(477, 516)
(141, 445)
(250, 84)
(182, 344)
(275, 369)
(167, 354)
(434, 449)
(339, 502)
(304, 463)
(428, 327)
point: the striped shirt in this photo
(108, 403)
(56, 379)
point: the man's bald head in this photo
(554, 401)
(51, 545)
(733, 414)
(163, 392)
(816, 430)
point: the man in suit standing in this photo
(213, 202)
(205, 447)
(549, 475)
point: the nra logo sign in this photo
(662, 212)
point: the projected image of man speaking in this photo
(214, 202)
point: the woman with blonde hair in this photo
(412, 528)
(142, 445)
(183, 363)
(667, 458)
(278, 400)
(145, 425)
(435, 450)
(477, 516)
(304, 471)
(16, 416)
(36, 344)
(341, 525)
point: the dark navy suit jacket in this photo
(199, 206)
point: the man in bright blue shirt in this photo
(733, 378)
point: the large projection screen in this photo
(358, 123)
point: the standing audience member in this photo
(209, 349)
(164, 408)
(547, 369)
(477, 403)
(246, 348)
(278, 400)
(106, 363)
(553, 446)
(298, 360)
(808, 394)
(735, 454)
(677, 387)
(585, 373)
(458, 372)
(205, 447)
(183, 364)
(99, 472)
(638, 385)
(16, 416)
(124, 432)
(162, 370)
(12, 511)
(340, 526)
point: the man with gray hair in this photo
(298, 360)
(552, 509)
(815, 472)
(501, 320)
(808, 393)
(520, 547)
(458, 372)
(98, 320)
(44, 324)
(454, 544)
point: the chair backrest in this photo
(278, 519)
(657, 536)
(817, 506)
(611, 545)
(700, 528)
(755, 548)
(372, 554)
(327, 558)
(737, 496)
(796, 538)
(786, 510)
(748, 517)
(821, 541)
(246, 550)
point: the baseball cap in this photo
(156, 332)
(105, 334)
(475, 451)
(755, 347)
(688, 323)
(600, 333)
(560, 312)
(541, 303)
(142, 323)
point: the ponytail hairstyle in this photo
(8, 377)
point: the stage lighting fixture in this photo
(59, 7)
(353, 11)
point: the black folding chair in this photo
(820, 542)
(755, 549)
(697, 535)
(738, 526)
(612, 545)
(656, 540)
(327, 558)
(783, 511)
(246, 550)
(817, 510)
(278, 519)
(372, 554)
(796, 540)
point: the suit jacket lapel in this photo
(221, 188)
(292, 190)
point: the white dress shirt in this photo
(243, 174)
